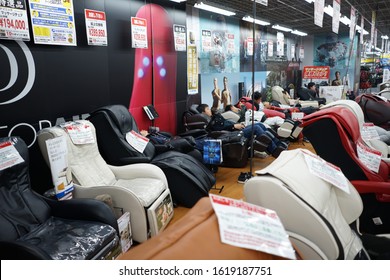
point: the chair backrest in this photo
(334, 133)
(315, 213)
(375, 109)
(87, 165)
(21, 210)
(112, 123)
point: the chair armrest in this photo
(11, 250)
(132, 160)
(122, 199)
(371, 187)
(194, 133)
(83, 209)
(138, 170)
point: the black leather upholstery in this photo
(35, 227)
(188, 178)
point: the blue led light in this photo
(160, 60)
(163, 72)
(140, 73)
(146, 61)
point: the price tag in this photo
(326, 171)
(368, 132)
(250, 226)
(9, 156)
(137, 141)
(370, 157)
(79, 133)
(297, 115)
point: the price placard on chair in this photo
(212, 151)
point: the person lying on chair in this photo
(264, 140)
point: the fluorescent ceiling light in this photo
(310, 1)
(345, 20)
(299, 33)
(213, 9)
(385, 37)
(178, 1)
(278, 27)
(257, 21)
(329, 10)
(358, 28)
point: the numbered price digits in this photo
(12, 24)
(245, 270)
(97, 32)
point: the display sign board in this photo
(96, 27)
(53, 22)
(316, 72)
(13, 20)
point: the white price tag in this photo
(9, 156)
(326, 171)
(370, 157)
(137, 141)
(297, 115)
(250, 226)
(79, 133)
(368, 132)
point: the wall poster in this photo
(53, 23)
(13, 20)
(96, 27)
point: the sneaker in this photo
(244, 176)
(258, 154)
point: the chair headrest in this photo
(193, 109)
(120, 115)
(351, 105)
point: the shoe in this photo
(262, 142)
(244, 176)
(258, 154)
(279, 149)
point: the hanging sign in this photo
(230, 43)
(95, 25)
(319, 12)
(270, 48)
(192, 69)
(279, 44)
(13, 20)
(373, 20)
(206, 40)
(53, 22)
(336, 16)
(316, 72)
(362, 30)
(139, 35)
(301, 52)
(179, 35)
(352, 25)
(249, 46)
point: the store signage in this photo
(53, 22)
(139, 34)
(336, 16)
(316, 72)
(13, 20)
(319, 12)
(179, 35)
(352, 26)
(96, 27)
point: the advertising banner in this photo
(316, 72)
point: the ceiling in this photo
(299, 14)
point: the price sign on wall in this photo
(13, 20)
(95, 25)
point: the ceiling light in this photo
(299, 33)
(385, 37)
(257, 21)
(278, 27)
(345, 20)
(358, 28)
(178, 1)
(213, 9)
(329, 10)
(310, 1)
